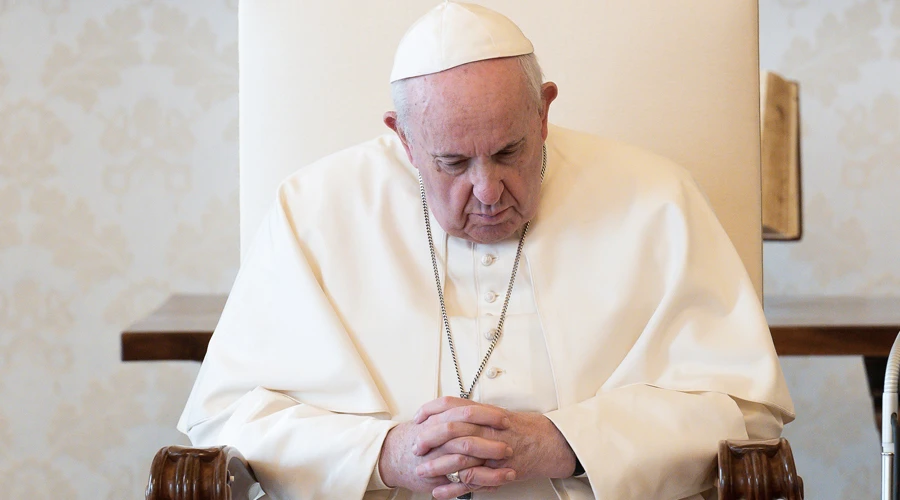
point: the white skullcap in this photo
(453, 34)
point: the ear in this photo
(390, 119)
(549, 91)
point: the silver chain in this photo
(463, 393)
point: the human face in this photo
(475, 135)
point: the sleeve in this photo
(284, 383)
(645, 442)
(702, 370)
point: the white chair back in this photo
(679, 78)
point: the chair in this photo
(678, 78)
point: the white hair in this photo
(531, 70)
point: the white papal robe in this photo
(332, 334)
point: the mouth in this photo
(489, 220)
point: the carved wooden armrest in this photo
(180, 473)
(758, 470)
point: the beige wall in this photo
(118, 185)
(846, 55)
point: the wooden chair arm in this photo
(758, 470)
(180, 473)
(747, 470)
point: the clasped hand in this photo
(489, 446)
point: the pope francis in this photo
(479, 304)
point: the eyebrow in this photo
(511, 145)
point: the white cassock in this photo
(632, 326)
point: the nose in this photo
(487, 186)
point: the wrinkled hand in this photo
(539, 450)
(404, 463)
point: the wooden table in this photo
(178, 330)
(838, 326)
(801, 326)
(833, 326)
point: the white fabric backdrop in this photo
(680, 78)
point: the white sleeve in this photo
(645, 442)
(283, 382)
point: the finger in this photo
(436, 435)
(452, 490)
(456, 490)
(490, 416)
(439, 405)
(486, 476)
(477, 447)
(445, 464)
(469, 479)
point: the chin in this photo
(491, 234)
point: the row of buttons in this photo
(490, 297)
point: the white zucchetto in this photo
(453, 34)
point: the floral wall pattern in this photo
(846, 56)
(118, 186)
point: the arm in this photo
(284, 383)
(297, 450)
(644, 442)
(702, 369)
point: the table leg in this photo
(875, 368)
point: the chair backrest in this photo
(679, 78)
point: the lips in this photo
(491, 219)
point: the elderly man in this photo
(483, 304)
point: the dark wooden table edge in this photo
(181, 327)
(789, 341)
(164, 346)
(833, 340)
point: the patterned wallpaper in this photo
(118, 186)
(846, 56)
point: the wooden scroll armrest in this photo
(180, 473)
(758, 470)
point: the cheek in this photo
(458, 195)
(525, 191)
(447, 195)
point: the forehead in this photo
(476, 106)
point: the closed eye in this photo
(453, 166)
(506, 153)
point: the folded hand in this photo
(535, 447)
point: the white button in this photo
(490, 297)
(490, 334)
(493, 373)
(487, 259)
